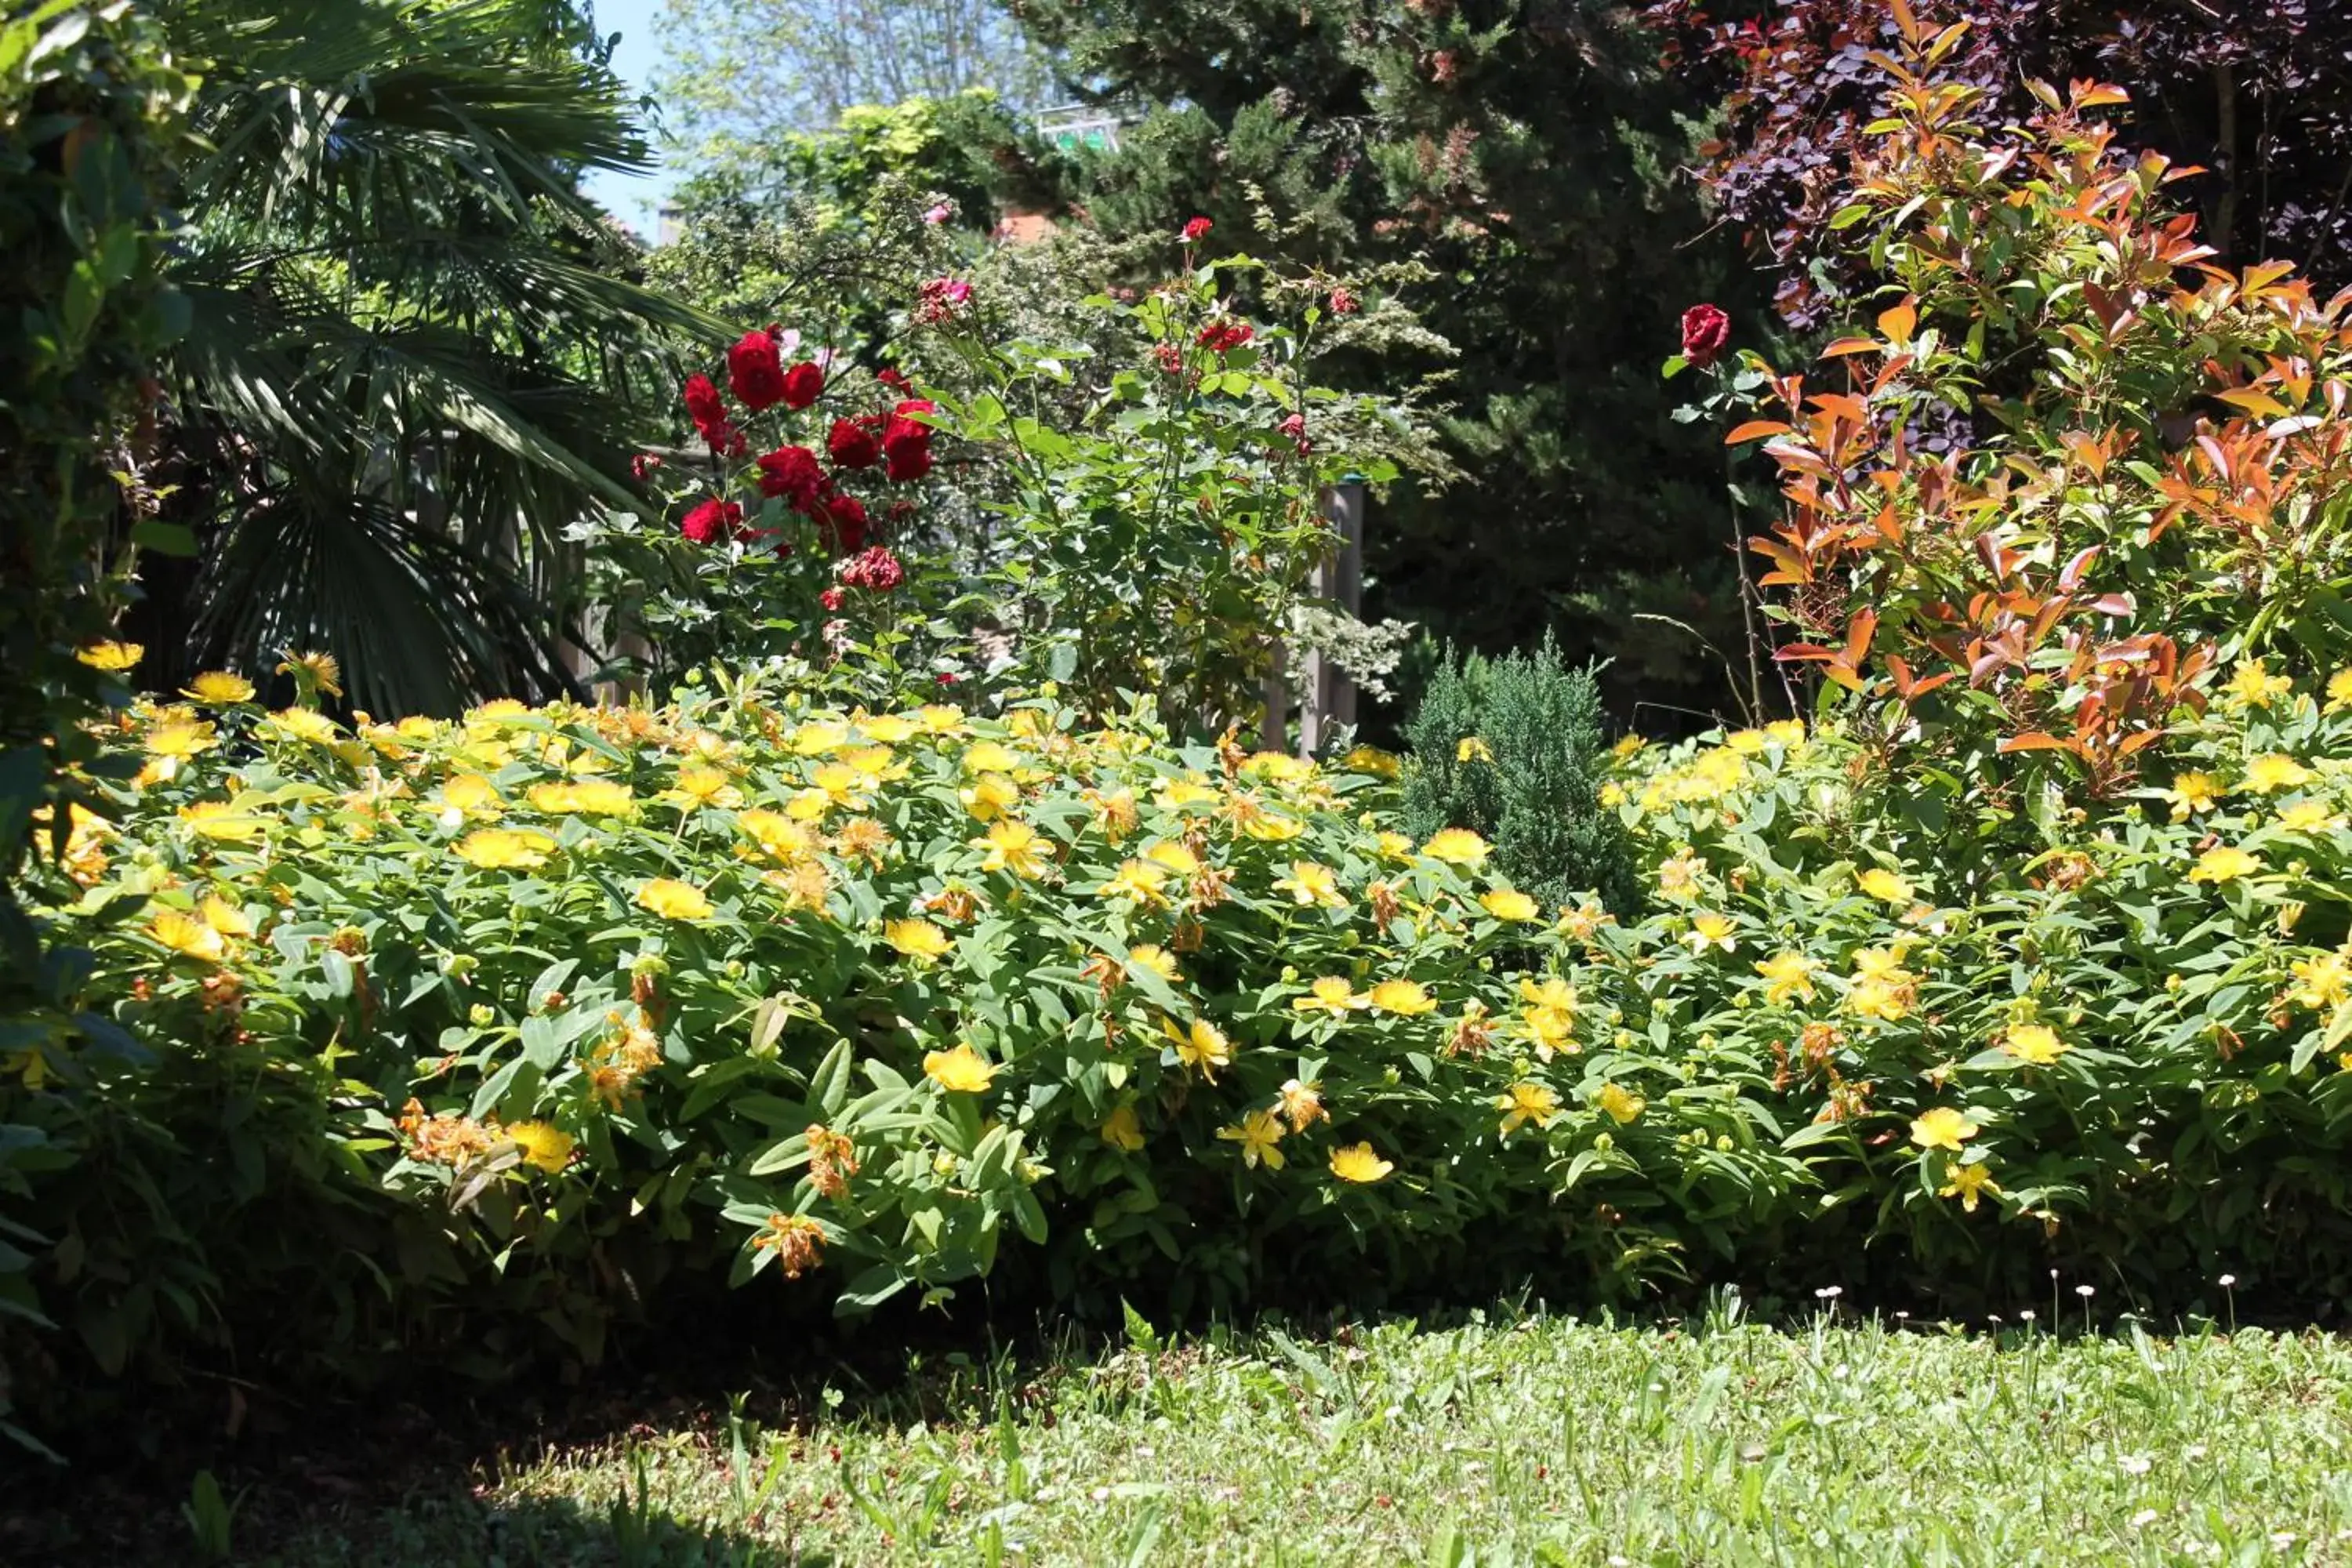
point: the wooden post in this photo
(1329, 696)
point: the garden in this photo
(869, 886)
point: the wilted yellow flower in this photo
(1580, 922)
(2037, 1044)
(1457, 846)
(1942, 1128)
(503, 848)
(1787, 976)
(1114, 813)
(1678, 875)
(2323, 982)
(314, 673)
(1122, 1130)
(2275, 771)
(1711, 929)
(2253, 686)
(1470, 749)
(188, 936)
(918, 940)
(547, 1147)
(1312, 883)
(115, 657)
(219, 688)
(674, 900)
(1511, 904)
(1403, 997)
(1301, 1104)
(1622, 1104)
(1332, 994)
(1526, 1102)
(2224, 863)
(1885, 885)
(1358, 1163)
(1014, 847)
(1157, 959)
(1257, 1133)
(1969, 1183)
(1203, 1046)
(960, 1071)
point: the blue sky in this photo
(635, 201)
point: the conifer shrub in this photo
(1512, 749)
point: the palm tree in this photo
(418, 352)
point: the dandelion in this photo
(916, 939)
(2036, 1044)
(1257, 1133)
(2223, 863)
(674, 900)
(1509, 904)
(1358, 1164)
(1202, 1045)
(1300, 1104)
(1622, 1105)
(1122, 1130)
(1525, 1102)
(1405, 998)
(1942, 1128)
(218, 689)
(960, 1071)
(547, 1147)
(1456, 847)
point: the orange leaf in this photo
(2255, 401)
(2035, 741)
(1897, 323)
(1755, 428)
(1852, 346)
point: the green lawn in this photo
(1539, 1441)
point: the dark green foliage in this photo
(1511, 748)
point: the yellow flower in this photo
(1612, 793)
(1272, 827)
(1456, 847)
(2321, 982)
(960, 1071)
(219, 688)
(469, 795)
(115, 657)
(1178, 794)
(2253, 686)
(1622, 1105)
(1884, 886)
(778, 835)
(2193, 793)
(2310, 816)
(314, 672)
(2275, 771)
(1332, 994)
(545, 1146)
(1969, 1183)
(1942, 1128)
(700, 785)
(918, 940)
(583, 798)
(1312, 883)
(222, 819)
(1015, 848)
(1277, 767)
(814, 739)
(1626, 746)
(188, 936)
(2037, 1044)
(1358, 1163)
(1156, 960)
(990, 796)
(2223, 863)
(1122, 1130)
(674, 900)
(1550, 991)
(1787, 976)
(1204, 1046)
(1403, 997)
(1526, 1102)
(304, 724)
(1174, 858)
(224, 917)
(1370, 760)
(1301, 1104)
(1552, 1029)
(1257, 1133)
(1785, 731)
(989, 757)
(1394, 846)
(1710, 930)
(502, 848)
(1678, 875)
(180, 739)
(1511, 904)
(1473, 750)
(1137, 882)
(2340, 690)
(940, 719)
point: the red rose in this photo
(756, 372)
(1197, 230)
(1223, 337)
(907, 445)
(1707, 332)
(708, 409)
(842, 522)
(802, 385)
(793, 473)
(714, 522)
(855, 442)
(894, 378)
(875, 570)
(1294, 430)
(945, 678)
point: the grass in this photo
(1531, 1441)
